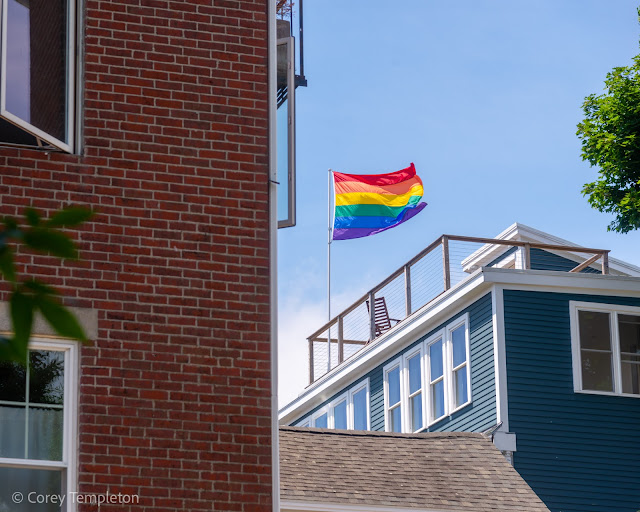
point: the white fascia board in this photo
(522, 232)
(302, 506)
(386, 346)
(595, 284)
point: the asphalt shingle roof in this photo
(453, 471)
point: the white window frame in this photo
(407, 419)
(613, 310)
(69, 463)
(329, 408)
(72, 82)
(396, 363)
(450, 408)
(351, 413)
(440, 335)
(449, 357)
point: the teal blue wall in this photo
(481, 413)
(579, 452)
(543, 260)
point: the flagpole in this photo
(329, 270)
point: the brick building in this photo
(164, 130)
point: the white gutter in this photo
(273, 255)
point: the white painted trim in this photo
(446, 306)
(273, 251)
(407, 419)
(70, 80)
(438, 336)
(303, 506)
(393, 341)
(396, 363)
(352, 414)
(319, 413)
(613, 310)
(500, 357)
(69, 462)
(344, 397)
(462, 321)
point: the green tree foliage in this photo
(610, 135)
(29, 296)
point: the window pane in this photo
(596, 371)
(460, 381)
(396, 420)
(340, 415)
(321, 421)
(13, 382)
(25, 481)
(437, 399)
(45, 433)
(629, 326)
(46, 377)
(631, 378)
(360, 410)
(459, 346)
(435, 359)
(12, 432)
(416, 412)
(594, 330)
(394, 386)
(37, 64)
(415, 374)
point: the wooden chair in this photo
(381, 316)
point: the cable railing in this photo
(442, 265)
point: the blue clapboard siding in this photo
(476, 417)
(579, 452)
(544, 260)
(481, 413)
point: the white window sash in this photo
(576, 349)
(70, 80)
(431, 382)
(388, 407)
(407, 395)
(351, 412)
(463, 321)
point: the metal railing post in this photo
(340, 340)
(407, 289)
(372, 316)
(311, 376)
(445, 262)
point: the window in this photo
(37, 424)
(348, 412)
(37, 73)
(606, 348)
(429, 382)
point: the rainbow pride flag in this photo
(366, 204)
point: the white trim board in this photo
(440, 310)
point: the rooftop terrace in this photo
(444, 264)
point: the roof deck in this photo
(445, 263)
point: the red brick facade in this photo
(174, 397)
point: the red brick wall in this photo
(174, 394)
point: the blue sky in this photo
(483, 96)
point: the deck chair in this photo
(381, 316)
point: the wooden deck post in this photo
(605, 262)
(311, 377)
(340, 340)
(445, 262)
(527, 256)
(372, 316)
(407, 289)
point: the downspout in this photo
(273, 255)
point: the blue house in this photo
(526, 336)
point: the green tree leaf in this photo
(7, 266)
(21, 306)
(61, 319)
(70, 216)
(32, 216)
(39, 287)
(10, 351)
(51, 241)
